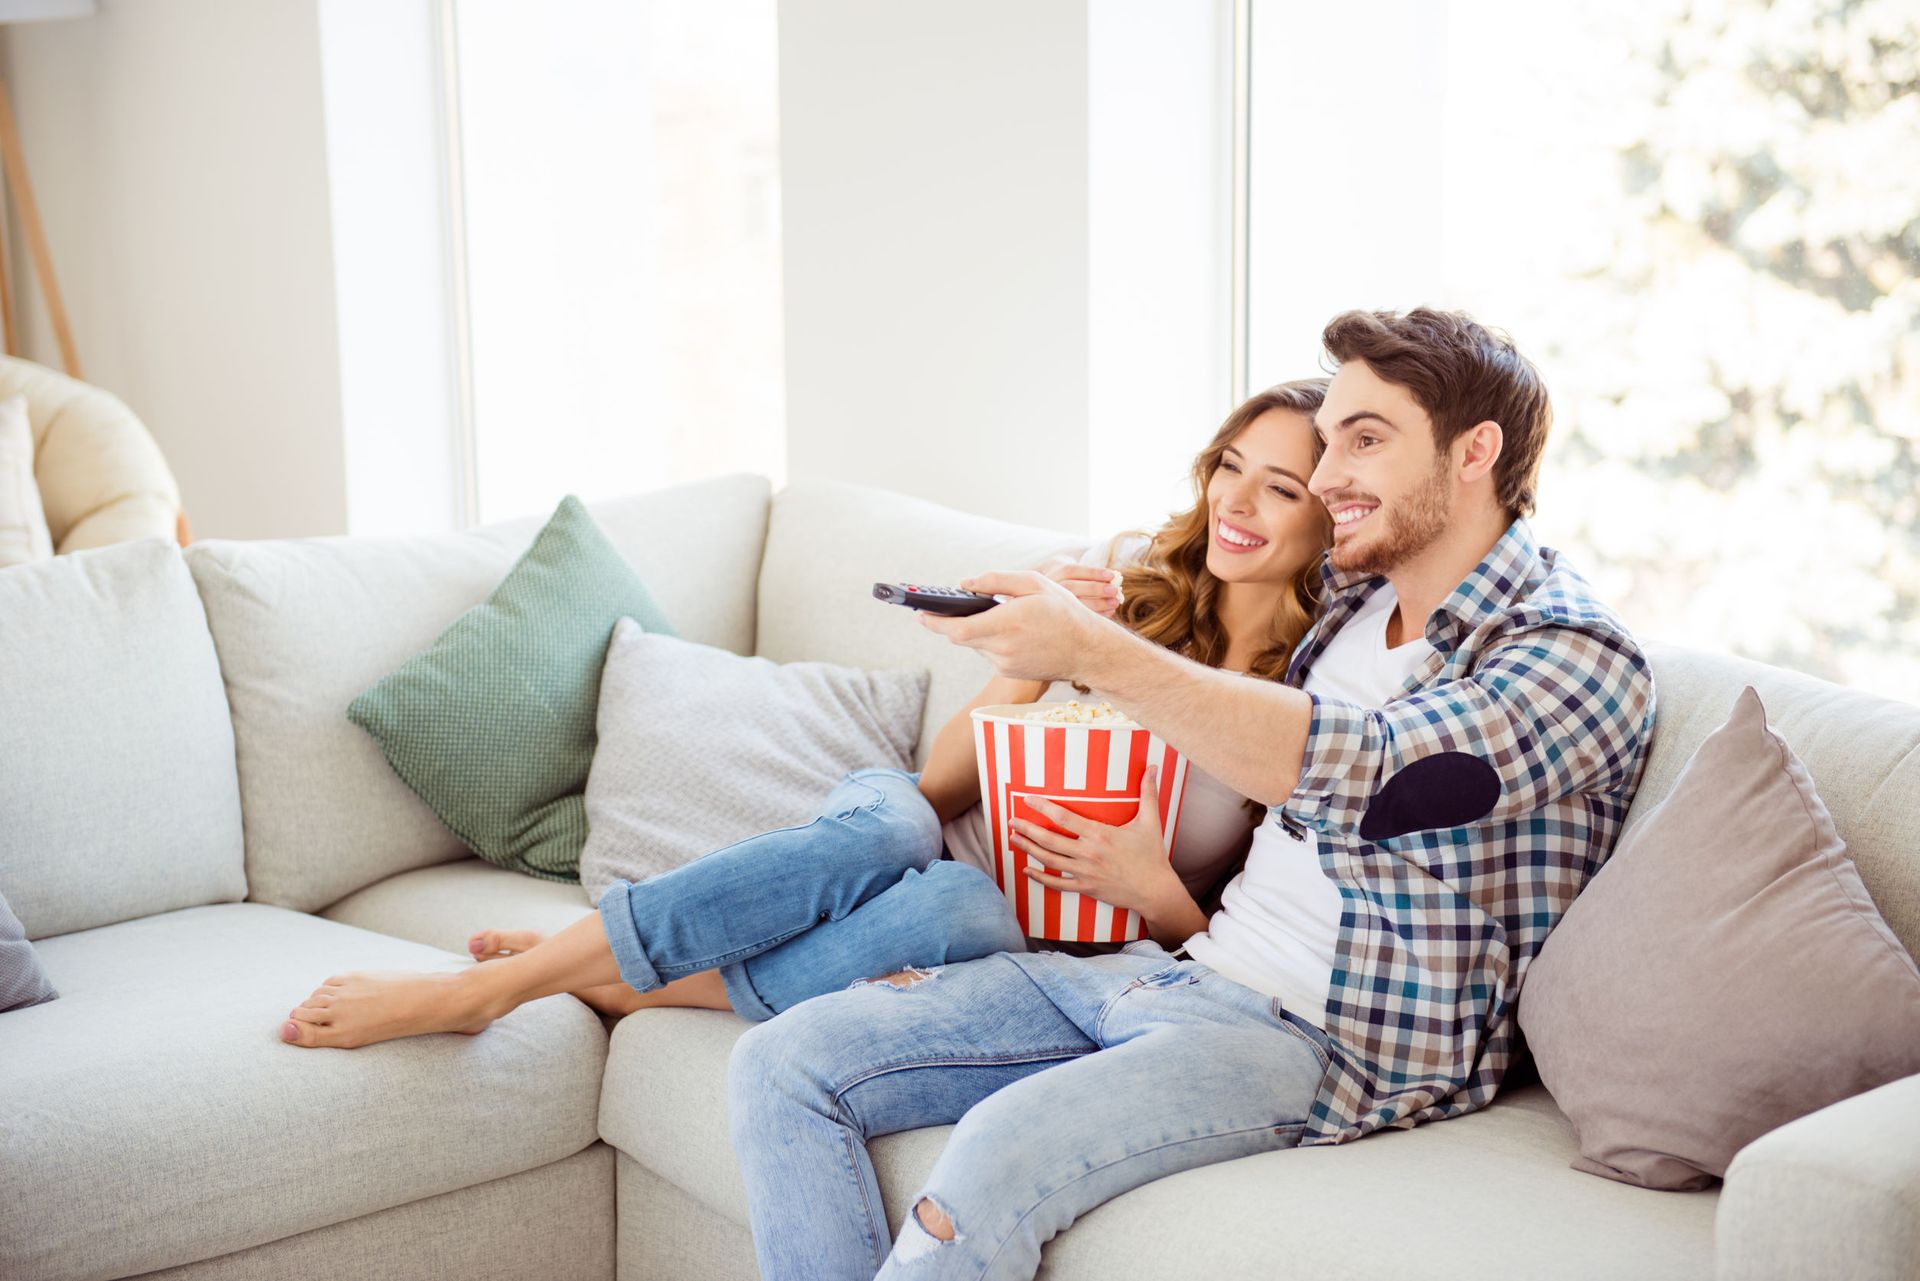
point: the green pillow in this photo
(493, 724)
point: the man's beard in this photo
(1413, 525)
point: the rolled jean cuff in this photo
(623, 935)
(741, 995)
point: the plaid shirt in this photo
(1459, 820)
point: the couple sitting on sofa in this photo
(1445, 740)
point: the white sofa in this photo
(195, 836)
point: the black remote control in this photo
(948, 601)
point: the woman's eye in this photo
(1230, 467)
(1287, 494)
(1368, 440)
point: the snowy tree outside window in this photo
(1702, 221)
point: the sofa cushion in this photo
(1489, 1193)
(303, 625)
(493, 724)
(157, 1118)
(556, 1221)
(829, 542)
(117, 789)
(700, 748)
(445, 905)
(1724, 973)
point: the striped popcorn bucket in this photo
(1095, 772)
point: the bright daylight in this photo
(818, 640)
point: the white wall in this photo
(178, 150)
(934, 198)
(1007, 235)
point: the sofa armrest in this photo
(1835, 1193)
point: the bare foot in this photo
(488, 944)
(350, 1010)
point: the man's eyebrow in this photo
(1270, 467)
(1355, 417)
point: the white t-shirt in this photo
(1278, 927)
(1215, 820)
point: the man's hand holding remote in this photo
(1040, 631)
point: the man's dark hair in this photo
(1461, 373)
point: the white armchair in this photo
(101, 476)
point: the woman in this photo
(863, 889)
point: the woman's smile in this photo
(1235, 539)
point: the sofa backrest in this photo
(304, 625)
(118, 796)
(829, 542)
(1862, 750)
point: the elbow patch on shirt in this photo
(1447, 789)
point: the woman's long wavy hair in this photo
(1169, 596)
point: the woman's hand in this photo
(1126, 866)
(1098, 589)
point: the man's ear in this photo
(1478, 449)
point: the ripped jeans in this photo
(858, 892)
(1069, 1080)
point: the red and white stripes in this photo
(1094, 772)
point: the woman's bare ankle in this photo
(490, 990)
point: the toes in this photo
(298, 1031)
(311, 1014)
(488, 944)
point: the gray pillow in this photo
(699, 748)
(1723, 974)
(22, 980)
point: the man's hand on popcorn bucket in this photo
(1040, 632)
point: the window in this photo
(620, 209)
(1702, 222)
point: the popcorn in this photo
(1074, 712)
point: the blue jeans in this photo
(1069, 1080)
(860, 891)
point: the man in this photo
(1449, 762)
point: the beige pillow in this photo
(1723, 974)
(699, 748)
(23, 523)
